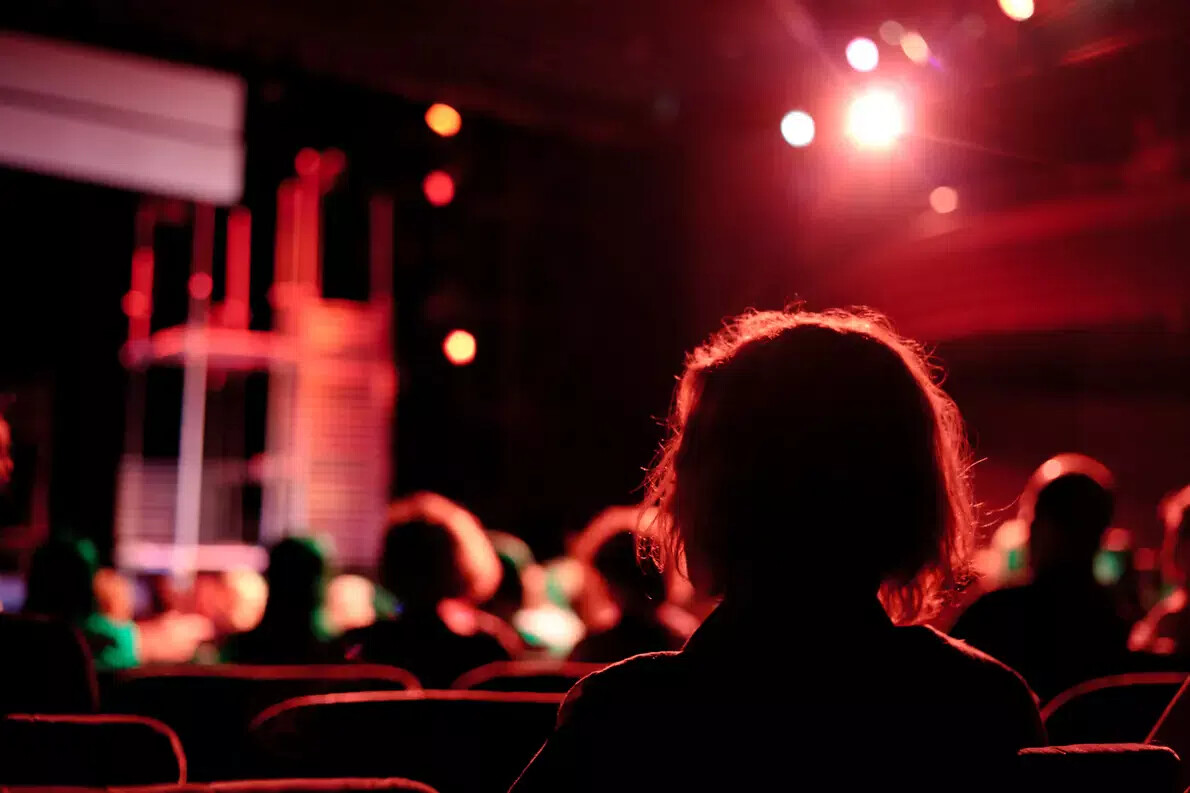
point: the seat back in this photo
(1115, 709)
(45, 667)
(346, 785)
(88, 750)
(457, 741)
(550, 677)
(210, 706)
(1100, 768)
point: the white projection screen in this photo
(121, 120)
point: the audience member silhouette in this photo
(815, 480)
(437, 563)
(1063, 626)
(636, 587)
(60, 584)
(1165, 630)
(292, 630)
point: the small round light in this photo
(459, 347)
(1019, 10)
(915, 48)
(439, 188)
(444, 120)
(862, 54)
(892, 32)
(944, 200)
(201, 286)
(306, 162)
(797, 127)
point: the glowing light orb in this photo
(439, 188)
(944, 200)
(1019, 10)
(892, 32)
(459, 347)
(444, 120)
(797, 127)
(862, 54)
(875, 119)
(915, 48)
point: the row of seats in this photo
(352, 785)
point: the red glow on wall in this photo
(439, 188)
(135, 304)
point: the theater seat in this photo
(210, 706)
(457, 741)
(45, 667)
(551, 677)
(1115, 709)
(1100, 768)
(88, 750)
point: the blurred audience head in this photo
(634, 584)
(1175, 551)
(1069, 505)
(296, 577)
(61, 579)
(815, 453)
(435, 550)
(515, 557)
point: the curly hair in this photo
(818, 436)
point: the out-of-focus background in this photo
(1011, 189)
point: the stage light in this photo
(1019, 10)
(892, 32)
(863, 54)
(798, 128)
(459, 347)
(944, 200)
(439, 188)
(444, 120)
(915, 48)
(875, 119)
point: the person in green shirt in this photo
(60, 584)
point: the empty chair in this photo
(211, 706)
(551, 677)
(457, 741)
(1116, 709)
(1100, 768)
(45, 667)
(88, 750)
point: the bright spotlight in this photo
(798, 128)
(915, 48)
(892, 32)
(875, 119)
(944, 200)
(443, 119)
(1020, 10)
(863, 54)
(459, 347)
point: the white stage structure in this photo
(331, 390)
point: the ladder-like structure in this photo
(331, 391)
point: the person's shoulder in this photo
(634, 679)
(985, 674)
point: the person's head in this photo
(1175, 551)
(434, 550)
(634, 584)
(60, 582)
(1069, 505)
(815, 455)
(296, 577)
